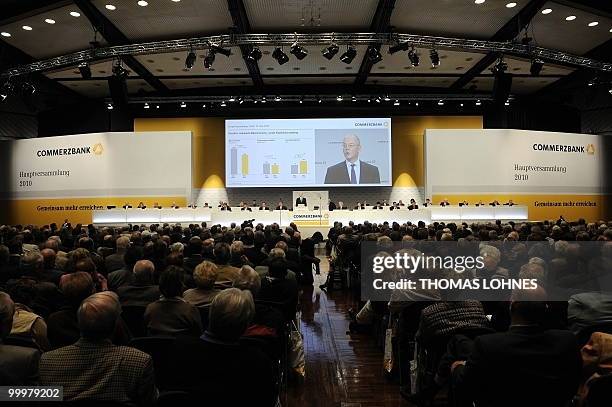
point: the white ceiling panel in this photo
(295, 15)
(553, 31)
(461, 18)
(165, 19)
(205, 82)
(67, 35)
(314, 63)
(173, 64)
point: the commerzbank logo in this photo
(96, 149)
(590, 149)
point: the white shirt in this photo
(357, 169)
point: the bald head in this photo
(7, 310)
(143, 271)
(98, 315)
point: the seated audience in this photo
(93, 368)
(18, 365)
(115, 261)
(125, 274)
(278, 288)
(26, 323)
(226, 274)
(494, 203)
(204, 275)
(142, 290)
(510, 203)
(210, 367)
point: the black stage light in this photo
(209, 60)
(500, 67)
(349, 55)
(254, 54)
(402, 46)
(190, 60)
(119, 71)
(85, 70)
(435, 58)
(220, 50)
(299, 51)
(536, 66)
(331, 51)
(280, 56)
(374, 55)
(413, 56)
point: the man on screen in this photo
(300, 200)
(352, 170)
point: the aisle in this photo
(342, 370)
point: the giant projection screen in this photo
(308, 152)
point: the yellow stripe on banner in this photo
(76, 210)
(544, 207)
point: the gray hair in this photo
(98, 315)
(248, 279)
(490, 251)
(231, 312)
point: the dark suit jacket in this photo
(300, 201)
(526, 366)
(18, 365)
(114, 262)
(338, 174)
(331, 206)
(278, 207)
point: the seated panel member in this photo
(246, 207)
(263, 206)
(427, 203)
(378, 205)
(141, 205)
(331, 205)
(174, 205)
(413, 205)
(359, 206)
(226, 207)
(494, 203)
(352, 170)
(192, 205)
(206, 205)
(445, 202)
(509, 203)
(127, 206)
(342, 206)
(394, 206)
(464, 203)
(254, 204)
(400, 203)
(480, 203)
(281, 206)
(156, 205)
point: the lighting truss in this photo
(421, 41)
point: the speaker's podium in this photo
(300, 208)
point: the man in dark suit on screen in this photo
(352, 170)
(300, 200)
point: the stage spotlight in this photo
(339, 98)
(374, 55)
(478, 102)
(209, 60)
(610, 90)
(190, 60)
(536, 67)
(413, 56)
(396, 103)
(109, 106)
(435, 58)
(254, 54)
(301, 99)
(299, 51)
(220, 50)
(402, 46)
(353, 99)
(280, 56)
(500, 67)
(331, 51)
(387, 98)
(349, 55)
(119, 71)
(277, 98)
(146, 106)
(85, 70)
(240, 101)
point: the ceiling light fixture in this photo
(183, 105)
(353, 98)
(339, 98)
(277, 98)
(109, 106)
(220, 50)
(301, 99)
(536, 66)
(75, 14)
(478, 102)
(146, 106)
(27, 28)
(85, 70)
(511, 5)
(402, 46)
(547, 11)
(110, 7)
(232, 99)
(190, 60)
(49, 21)
(440, 102)
(435, 58)
(280, 56)
(5, 34)
(593, 23)
(570, 18)
(223, 104)
(298, 51)
(413, 56)
(479, 1)
(349, 55)
(396, 103)
(374, 55)
(143, 3)
(330, 51)
(254, 54)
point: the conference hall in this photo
(306, 203)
